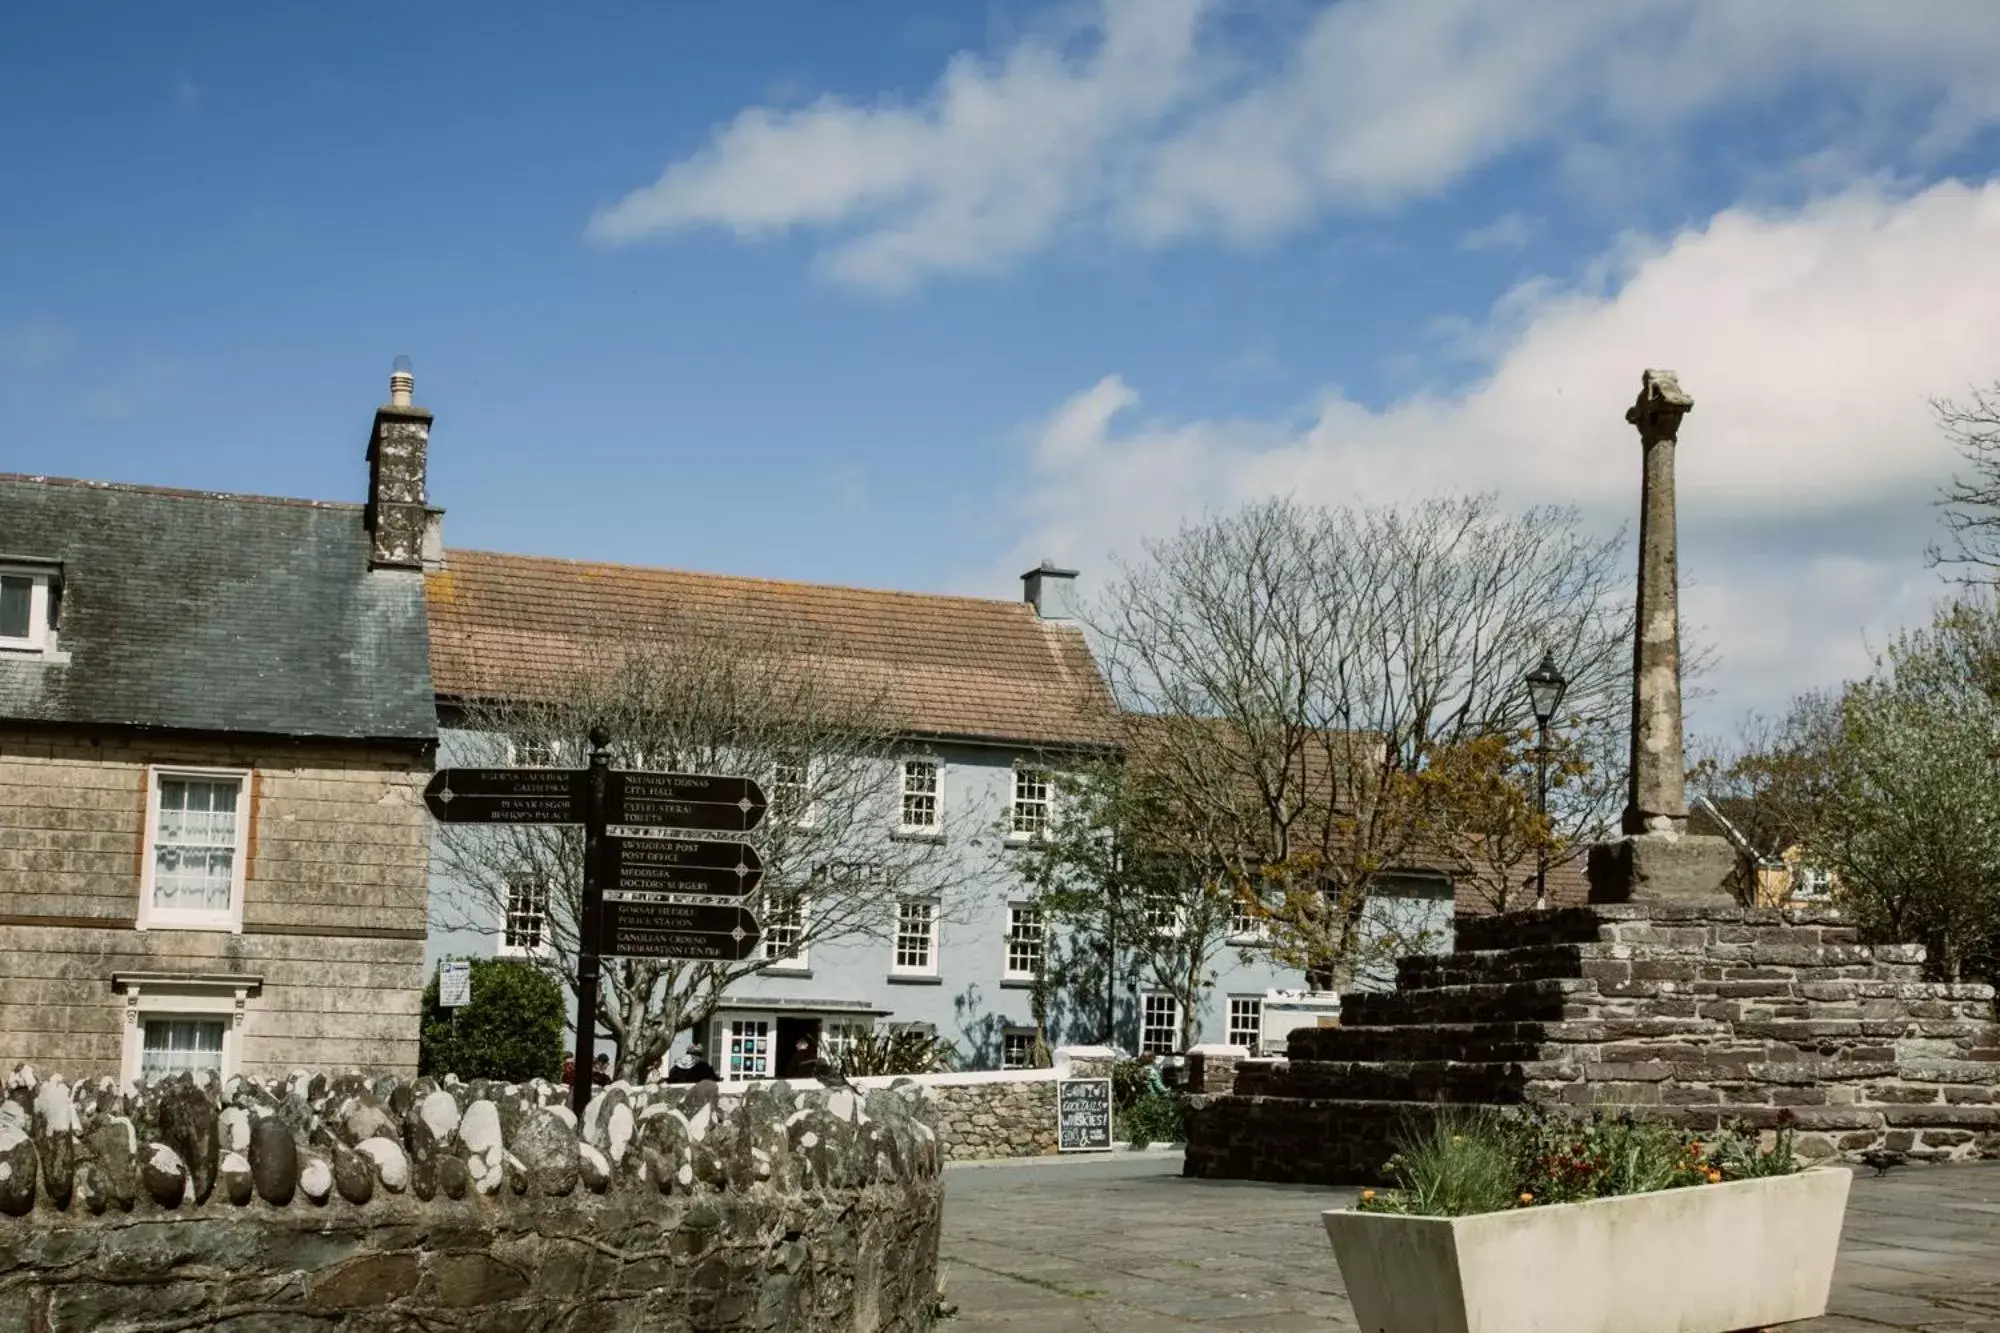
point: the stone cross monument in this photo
(1658, 858)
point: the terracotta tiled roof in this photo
(513, 626)
(1569, 886)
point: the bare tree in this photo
(816, 730)
(1971, 502)
(1292, 669)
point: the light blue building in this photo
(996, 694)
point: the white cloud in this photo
(1509, 231)
(1162, 130)
(1811, 341)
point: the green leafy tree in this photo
(512, 1028)
(1910, 819)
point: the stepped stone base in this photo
(1702, 1014)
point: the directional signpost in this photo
(680, 865)
(662, 925)
(646, 894)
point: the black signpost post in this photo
(590, 930)
(645, 894)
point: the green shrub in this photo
(1460, 1164)
(1154, 1117)
(512, 1029)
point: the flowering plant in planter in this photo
(1550, 1225)
(1458, 1166)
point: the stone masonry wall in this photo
(1012, 1114)
(334, 912)
(388, 1204)
(1695, 1014)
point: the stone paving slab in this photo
(1126, 1245)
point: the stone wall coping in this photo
(1065, 1057)
(1219, 1048)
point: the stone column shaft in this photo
(1657, 800)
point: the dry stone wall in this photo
(1013, 1114)
(365, 1203)
(1697, 1014)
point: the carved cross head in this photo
(1662, 403)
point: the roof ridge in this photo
(177, 492)
(750, 578)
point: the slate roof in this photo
(211, 612)
(515, 626)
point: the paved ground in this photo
(1123, 1245)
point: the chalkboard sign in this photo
(1083, 1114)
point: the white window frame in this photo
(1231, 1027)
(808, 813)
(1016, 803)
(1018, 915)
(929, 968)
(1811, 884)
(721, 1057)
(1022, 1039)
(1147, 999)
(774, 921)
(1173, 909)
(904, 795)
(544, 947)
(42, 580)
(837, 1034)
(169, 918)
(161, 996)
(1246, 926)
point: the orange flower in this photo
(1527, 1199)
(1714, 1176)
(1694, 1149)
(1367, 1196)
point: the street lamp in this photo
(1545, 694)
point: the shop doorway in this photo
(798, 1047)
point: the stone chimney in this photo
(404, 532)
(1051, 591)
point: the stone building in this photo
(215, 722)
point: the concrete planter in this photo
(1708, 1259)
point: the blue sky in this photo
(912, 294)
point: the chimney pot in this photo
(402, 382)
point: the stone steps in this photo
(1460, 1041)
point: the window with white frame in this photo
(922, 811)
(1246, 922)
(182, 1024)
(790, 793)
(1017, 1048)
(26, 598)
(525, 933)
(749, 1054)
(1166, 915)
(1246, 1020)
(1159, 1023)
(1025, 942)
(197, 832)
(1031, 802)
(916, 937)
(176, 1045)
(783, 918)
(836, 1040)
(1812, 883)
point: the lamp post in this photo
(1546, 684)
